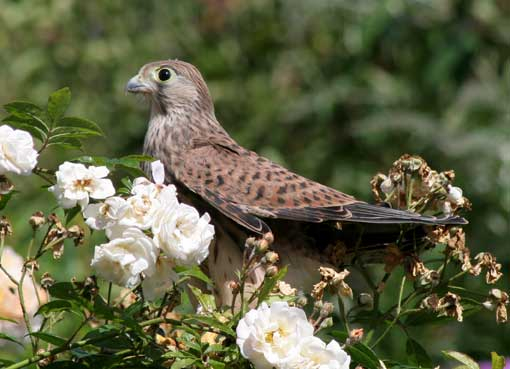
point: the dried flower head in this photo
(5, 227)
(449, 305)
(6, 186)
(334, 280)
(489, 262)
(37, 219)
(76, 233)
(430, 302)
(285, 289)
(414, 267)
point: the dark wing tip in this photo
(367, 213)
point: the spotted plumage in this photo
(257, 194)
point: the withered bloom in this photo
(449, 305)
(414, 267)
(430, 302)
(493, 268)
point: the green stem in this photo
(26, 318)
(397, 313)
(341, 307)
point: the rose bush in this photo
(164, 314)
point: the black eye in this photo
(164, 74)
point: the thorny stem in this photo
(397, 313)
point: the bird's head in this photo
(172, 85)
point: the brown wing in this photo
(245, 186)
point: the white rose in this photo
(76, 183)
(148, 198)
(182, 234)
(313, 353)
(123, 259)
(17, 154)
(104, 214)
(270, 336)
(161, 281)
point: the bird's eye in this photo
(164, 74)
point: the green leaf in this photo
(216, 364)
(417, 354)
(71, 213)
(139, 158)
(462, 358)
(363, 355)
(339, 335)
(23, 108)
(211, 322)
(46, 337)
(193, 272)
(55, 306)
(118, 342)
(102, 310)
(4, 336)
(4, 199)
(498, 362)
(58, 103)
(28, 123)
(65, 142)
(81, 123)
(183, 363)
(206, 300)
(74, 132)
(269, 284)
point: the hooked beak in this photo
(135, 85)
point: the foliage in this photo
(126, 329)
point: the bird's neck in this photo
(175, 130)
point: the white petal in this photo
(158, 172)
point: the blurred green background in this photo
(336, 90)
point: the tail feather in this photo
(367, 213)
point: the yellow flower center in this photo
(82, 184)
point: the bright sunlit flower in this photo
(76, 184)
(17, 154)
(104, 214)
(270, 336)
(313, 353)
(182, 234)
(122, 260)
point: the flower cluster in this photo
(279, 336)
(411, 184)
(149, 231)
(17, 153)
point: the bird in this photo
(248, 194)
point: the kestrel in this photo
(247, 193)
